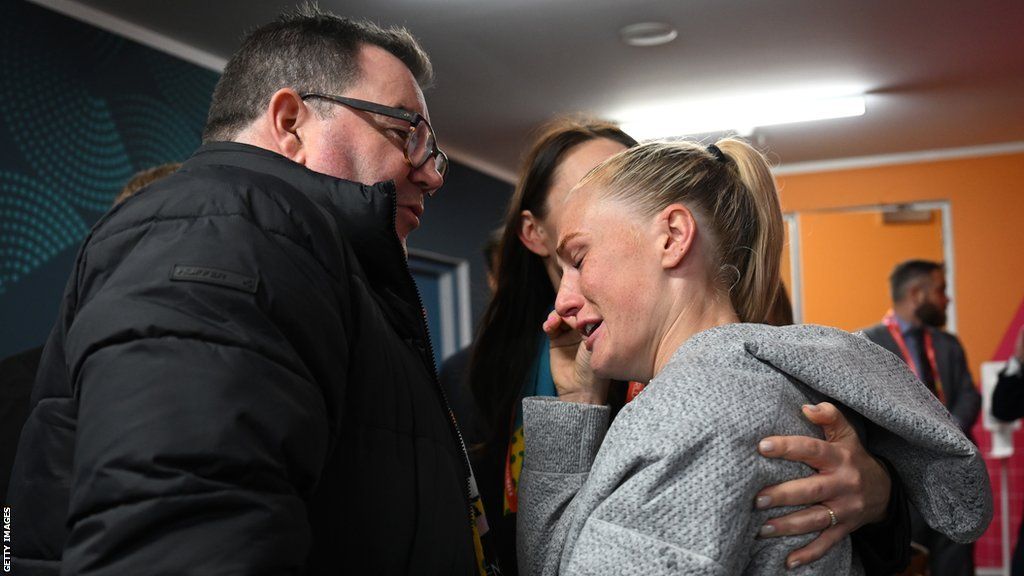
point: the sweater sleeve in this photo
(562, 440)
(671, 492)
(203, 422)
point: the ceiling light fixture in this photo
(740, 115)
(645, 34)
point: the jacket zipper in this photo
(425, 333)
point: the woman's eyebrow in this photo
(565, 240)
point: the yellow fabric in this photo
(515, 466)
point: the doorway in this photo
(839, 260)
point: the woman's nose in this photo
(568, 300)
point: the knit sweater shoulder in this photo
(670, 488)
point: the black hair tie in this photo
(718, 154)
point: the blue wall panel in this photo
(83, 111)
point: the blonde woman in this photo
(670, 258)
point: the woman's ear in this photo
(288, 114)
(532, 234)
(678, 232)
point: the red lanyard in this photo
(633, 389)
(894, 329)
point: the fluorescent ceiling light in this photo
(740, 115)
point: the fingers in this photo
(558, 324)
(858, 493)
(849, 481)
(817, 548)
(811, 451)
(804, 521)
(799, 492)
(816, 453)
(553, 323)
(822, 413)
(832, 422)
(561, 331)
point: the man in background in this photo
(913, 331)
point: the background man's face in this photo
(370, 148)
(931, 310)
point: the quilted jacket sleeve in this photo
(208, 357)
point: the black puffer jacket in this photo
(240, 382)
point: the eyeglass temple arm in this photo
(364, 105)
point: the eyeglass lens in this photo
(421, 144)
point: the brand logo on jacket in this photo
(215, 276)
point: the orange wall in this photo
(847, 256)
(987, 199)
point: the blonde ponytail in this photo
(731, 186)
(755, 294)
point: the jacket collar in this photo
(364, 214)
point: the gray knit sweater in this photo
(670, 488)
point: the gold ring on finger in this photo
(832, 520)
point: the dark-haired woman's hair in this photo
(509, 332)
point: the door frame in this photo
(455, 313)
(792, 220)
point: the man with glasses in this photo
(240, 380)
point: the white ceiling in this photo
(939, 74)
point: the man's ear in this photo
(677, 233)
(287, 115)
(532, 234)
(918, 291)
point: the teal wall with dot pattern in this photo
(83, 110)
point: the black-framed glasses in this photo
(420, 142)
